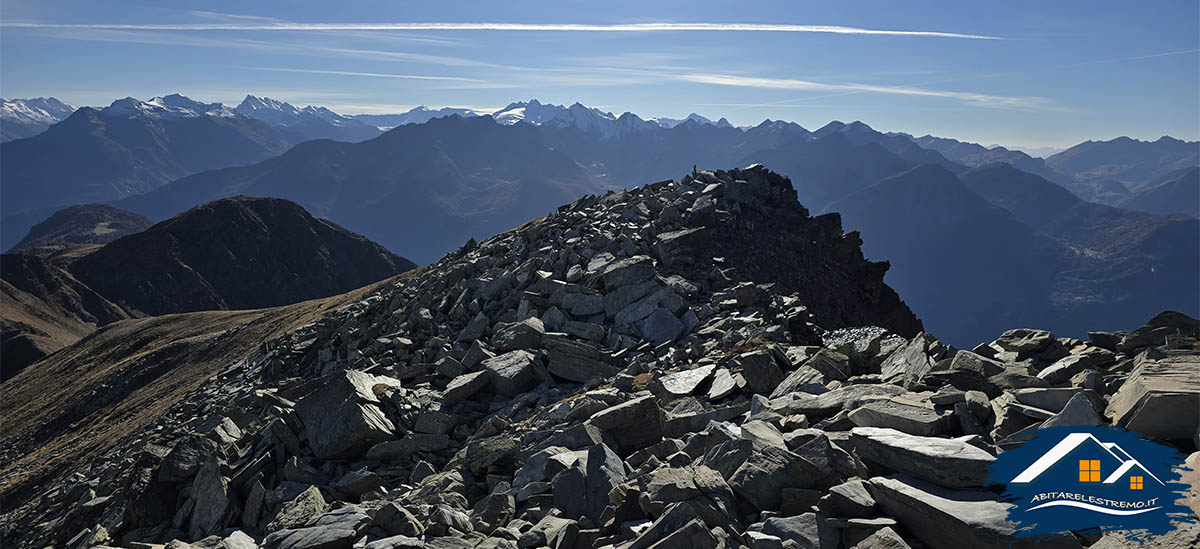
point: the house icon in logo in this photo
(1099, 464)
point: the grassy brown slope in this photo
(68, 408)
(43, 309)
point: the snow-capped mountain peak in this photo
(174, 106)
(39, 110)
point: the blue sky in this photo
(1030, 74)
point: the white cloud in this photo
(533, 27)
(976, 99)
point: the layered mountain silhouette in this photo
(128, 148)
(234, 253)
(974, 154)
(133, 146)
(78, 225)
(1011, 245)
(427, 188)
(1112, 170)
(1175, 195)
(1011, 248)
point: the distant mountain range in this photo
(127, 148)
(417, 115)
(234, 253)
(28, 117)
(1116, 169)
(309, 122)
(1019, 239)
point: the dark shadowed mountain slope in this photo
(1031, 198)
(80, 224)
(825, 169)
(1100, 229)
(965, 266)
(237, 253)
(1177, 195)
(128, 148)
(1132, 162)
(1015, 249)
(42, 309)
(425, 189)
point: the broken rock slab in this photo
(914, 420)
(680, 384)
(945, 518)
(947, 462)
(1160, 387)
(342, 416)
(511, 373)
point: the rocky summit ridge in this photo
(693, 363)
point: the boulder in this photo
(761, 371)
(341, 414)
(1025, 341)
(1158, 388)
(722, 385)
(766, 471)
(511, 373)
(408, 445)
(947, 462)
(297, 512)
(398, 521)
(483, 452)
(526, 334)
(685, 382)
(311, 538)
(914, 420)
(1065, 368)
(848, 500)
(808, 531)
(632, 425)
(186, 457)
(463, 386)
(909, 364)
(210, 493)
(661, 326)
(826, 404)
(575, 360)
(605, 471)
(818, 370)
(883, 538)
(945, 518)
(1078, 412)
(629, 271)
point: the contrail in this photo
(534, 27)
(369, 74)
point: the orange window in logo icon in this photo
(1089, 470)
(1135, 483)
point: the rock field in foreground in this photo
(689, 364)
